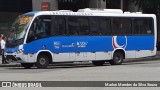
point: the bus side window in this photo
(105, 26)
(100, 26)
(40, 28)
(138, 26)
(116, 26)
(73, 26)
(83, 26)
(148, 26)
(126, 26)
(143, 26)
(94, 26)
(59, 24)
(43, 27)
(122, 26)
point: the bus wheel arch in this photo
(43, 59)
(118, 57)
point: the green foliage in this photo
(149, 6)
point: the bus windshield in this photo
(18, 30)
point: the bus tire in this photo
(117, 59)
(42, 61)
(98, 63)
(27, 65)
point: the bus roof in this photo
(92, 12)
(32, 13)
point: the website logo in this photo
(6, 84)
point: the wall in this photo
(54, 4)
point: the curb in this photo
(143, 59)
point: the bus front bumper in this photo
(19, 58)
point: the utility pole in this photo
(121, 5)
(101, 3)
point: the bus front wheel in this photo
(42, 61)
(117, 59)
(27, 65)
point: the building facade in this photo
(10, 9)
(68, 4)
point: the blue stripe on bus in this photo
(68, 44)
(140, 43)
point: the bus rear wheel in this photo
(42, 61)
(117, 59)
(27, 65)
(98, 63)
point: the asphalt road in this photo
(148, 70)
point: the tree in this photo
(149, 6)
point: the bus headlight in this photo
(19, 51)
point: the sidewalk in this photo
(10, 64)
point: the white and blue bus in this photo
(45, 37)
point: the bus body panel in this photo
(81, 48)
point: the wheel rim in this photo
(118, 58)
(42, 61)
